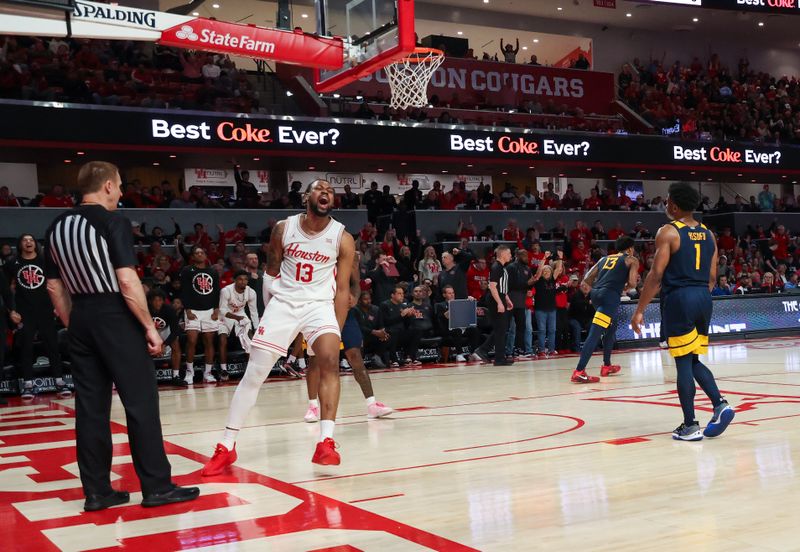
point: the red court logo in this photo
(41, 501)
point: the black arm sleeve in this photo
(120, 242)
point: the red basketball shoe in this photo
(222, 459)
(583, 377)
(606, 371)
(326, 454)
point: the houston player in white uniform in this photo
(306, 290)
(232, 317)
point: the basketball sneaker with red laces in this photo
(222, 459)
(326, 454)
(583, 377)
(607, 370)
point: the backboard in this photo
(376, 32)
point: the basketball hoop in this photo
(409, 77)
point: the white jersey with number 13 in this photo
(308, 269)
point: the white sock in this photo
(301, 363)
(313, 402)
(190, 367)
(326, 429)
(370, 401)
(229, 438)
(209, 367)
(290, 359)
(223, 367)
(258, 368)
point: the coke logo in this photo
(506, 144)
(228, 132)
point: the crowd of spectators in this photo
(122, 73)
(711, 101)
(382, 203)
(407, 280)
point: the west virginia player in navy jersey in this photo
(685, 268)
(612, 275)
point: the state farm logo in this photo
(187, 33)
(30, 277)
(203, 284)
(159, 322)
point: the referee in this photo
(98, 296)
(500, 307)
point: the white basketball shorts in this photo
(282, 322)
(202, 322)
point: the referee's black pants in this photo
(43, 321)
(500, 321)
(107, 344)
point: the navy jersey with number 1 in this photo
(690, 265)
(685, 294)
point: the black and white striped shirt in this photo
(85, 246)
(499, 275)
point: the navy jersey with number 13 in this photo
(690, 265)
(613, 273)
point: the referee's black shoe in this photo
(176, 494)
(101, 502)
(178, 381)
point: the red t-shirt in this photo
(726, 243)
(474, 279)
(591, 204)
(466, 233)
(535, 259)
(782, 241)
(53, 201)
(512, 234)
(549, 204)
(562, 298)
(615, 233)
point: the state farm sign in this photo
(250, 41)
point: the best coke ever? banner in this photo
(86, 127)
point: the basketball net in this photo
(409, 77)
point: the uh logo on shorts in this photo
(30, 277)
(203, 283)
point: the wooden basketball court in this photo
(475, 457)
